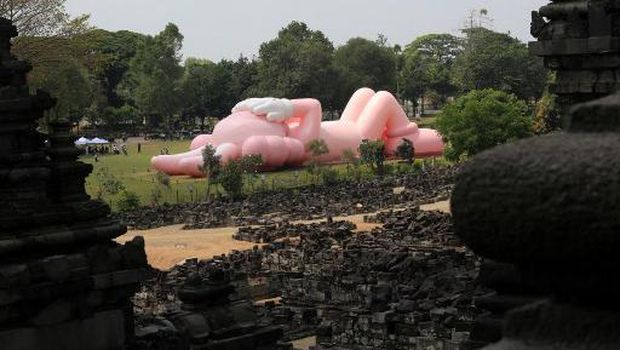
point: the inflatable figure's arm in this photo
(302, 115)
(274, 109)
(306, 124)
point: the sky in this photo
(216, 29)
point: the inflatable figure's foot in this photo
(170, 164)
(427, 143)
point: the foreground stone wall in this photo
(64, 283)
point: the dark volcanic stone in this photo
(527, 203)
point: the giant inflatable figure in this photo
(279, 130)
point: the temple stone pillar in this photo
(580, 40)
(64, 283)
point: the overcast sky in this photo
(216, 29)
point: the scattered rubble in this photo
(308, 203)
(406, 284)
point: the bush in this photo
(406, 151)
(372, 153)
(128, 201)
(231, 174)
(107, 183)
(481, 120)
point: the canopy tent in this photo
(82, 141)
(98, 141)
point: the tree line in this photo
(124, 80)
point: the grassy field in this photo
(134, 172)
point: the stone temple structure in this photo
(580, 40)
(544, 212)
(64, 283)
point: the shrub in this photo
(128, 201)
(318, 147)
(107, 183)
(163, 179)
(406, 151)
(231, 174)
(372, 153)
(482, 119)
(353, 164)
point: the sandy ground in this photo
(171, 245)
(304, 344)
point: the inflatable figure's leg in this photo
(356, 104)
(383, 117)
(192, 165)
(200, 141)
(169, 164)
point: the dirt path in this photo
(171, 245)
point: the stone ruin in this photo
(406, 285)
(64, 283)
(543, 212)
(580, 40)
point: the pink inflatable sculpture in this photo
(279, 130)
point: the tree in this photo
(115, 51)
(211, 166)
(427, 66)
(36, 17)
(317, 148)
(56, 46)
(364, 63)
(482, 119)
(207, 89)
(372, 153)
(498, 61)
(244, 76)
(298, 63)
(154, 75)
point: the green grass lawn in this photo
(136, 175)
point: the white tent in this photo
(82, 141)
(98, 141)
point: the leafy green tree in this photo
(482, 119)
(427, 66)
(211, 166)
(364, 63)
(372, 153)
(41, 18)
(154, 76)
(492, 60)
(207, 89)
(298, 63)
(115, 51)
(244, 76)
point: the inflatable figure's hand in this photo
(275, 109)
